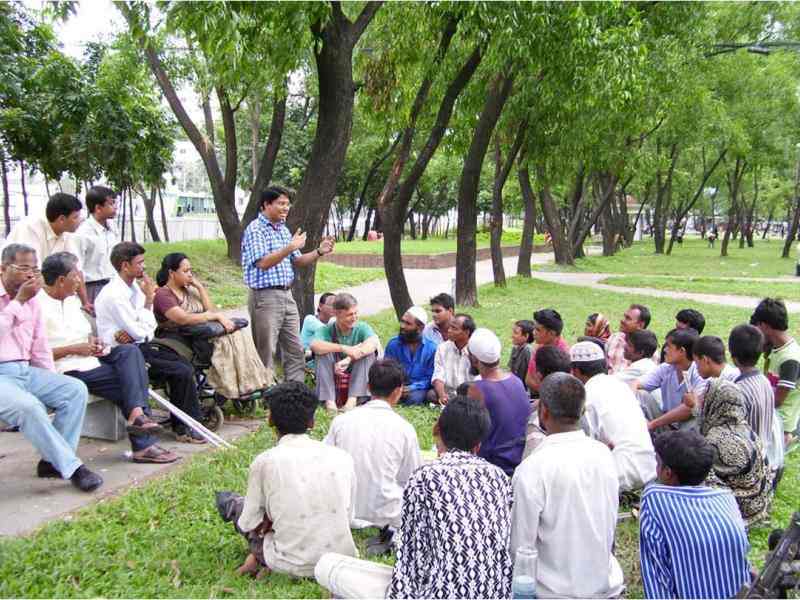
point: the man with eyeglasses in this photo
(270, 254)
(99, 236)
(29, 384)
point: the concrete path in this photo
(28, 502)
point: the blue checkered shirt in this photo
(263, 237)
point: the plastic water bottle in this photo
(523, 584)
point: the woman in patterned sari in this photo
(740, 463)
(181, 301)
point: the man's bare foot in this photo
(250, 566)
(350, 404)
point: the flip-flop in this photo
(156, 455)
(142, 425)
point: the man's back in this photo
(385, 452)
(453, 540)
(565, 505)
(693, 543)
(306, 489)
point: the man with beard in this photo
(416, 355)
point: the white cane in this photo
(208, 435)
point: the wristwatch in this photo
(320, 252)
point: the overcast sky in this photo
(95, 20)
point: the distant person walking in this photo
(269, 255)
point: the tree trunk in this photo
(734, 180)
(502, 170)
(24, 187)
(333, 56)
(163, 214)
(373, 170)
(528, 227)
(131, 213)
(6, 195)
(466, 249)
(663, 199)
(412, 228)
(122, 218)
(769, 223)
(149, 207)
(562, 249)
(367, 222)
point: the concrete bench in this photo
(103, 420)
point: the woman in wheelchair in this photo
(183, 307)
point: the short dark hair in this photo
(124, 252)
(291, 406)
(550, 319)
(526, 326)
(746, 343)
(687, 453)
(384, 377)
(591, 368)
(564, 396)
(644, 313)
(710, 346)
(344, 301)
(61, 205)
(551, 359)
(444, 300)
(643, 341)
(97, 195)
(11, 251)
(58, 265)
(469, 322)
(683, 338)
(272, 193)
(692, 318)
(324, 297)
(464, 423)
(771, 311)
(171, 262)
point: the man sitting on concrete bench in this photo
(118, 374)
(28, 383)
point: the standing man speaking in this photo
(269, 255)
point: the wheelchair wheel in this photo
(214, 418)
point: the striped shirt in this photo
(759, 402)
(692, 543)
(263, 237)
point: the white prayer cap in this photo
(584, 352)
(419, 314)
(484, 345)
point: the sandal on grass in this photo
(143, 425)
(157, 455)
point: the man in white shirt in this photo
(385, 451)
(300, 493)
(615, 417)
(566, 497)
(640, 345)
(117, 374)
(55, 232)
(451, 366)
(125, 316)
(99, 237)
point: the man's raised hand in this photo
(298, 239)
(29, 289)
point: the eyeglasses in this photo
(27, 269)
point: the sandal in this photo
(156, 454)
(143, 425)
(190, 437)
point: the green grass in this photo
(710, 285)
(693, 258)
(163, 538)
(224, 278)
(434, 245)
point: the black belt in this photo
(277, 287)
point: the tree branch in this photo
(363, 19)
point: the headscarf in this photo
(598, 327)
(740, 462)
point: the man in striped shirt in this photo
(692, 539)
(746, 344)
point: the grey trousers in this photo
(326, 389)
(275, 323)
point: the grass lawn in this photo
(224, 278)
(710, 285)
(164, 538)
(693, 258)
(434, 245)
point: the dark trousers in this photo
(121, 378)
(179, 375)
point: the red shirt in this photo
(560, 343)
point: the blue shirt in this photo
(418, 368)
(432, 333)
(665, 378)
(311, 324)
(509, 407)
(263, 237)
(692, 542)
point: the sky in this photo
(95, 20)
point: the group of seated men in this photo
(535, 456)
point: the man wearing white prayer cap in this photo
(416, 355)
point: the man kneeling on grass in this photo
(282, 515)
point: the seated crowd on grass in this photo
(532, 459)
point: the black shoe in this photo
(380, 544)
(46, 469)
(225, 506)
(86, 480)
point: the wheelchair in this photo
(197, 350)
